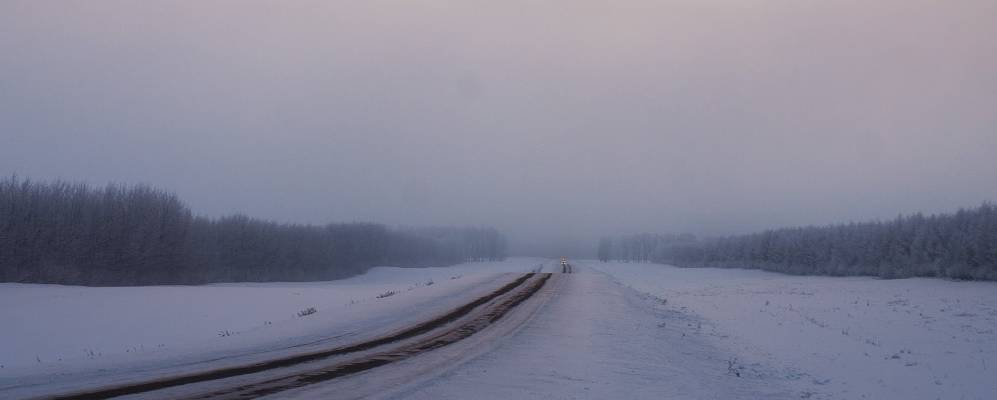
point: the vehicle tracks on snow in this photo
(467, 320)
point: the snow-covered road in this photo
(596, 339)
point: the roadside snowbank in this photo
(850, 338)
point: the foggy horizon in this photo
(428, 199)
(555, 123)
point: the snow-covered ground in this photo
(842, 338)
(610, 330)
(90, 332)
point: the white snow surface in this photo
(834, 337)
(609, 331)
(596, 339)
(53, 333)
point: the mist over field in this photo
(556, 123)
(428, 199)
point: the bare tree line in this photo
(71, 233)
(960, 245)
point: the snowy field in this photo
(75, 331)
(841, 338)
(609, 331)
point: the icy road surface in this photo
(596, 339)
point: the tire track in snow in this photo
(482, 320)
(493, 313)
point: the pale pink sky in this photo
(550, 120)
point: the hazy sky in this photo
(551, 120)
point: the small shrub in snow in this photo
(733, 368)
(307, 311)
(814, 321)
(387, 294)
(430, 283)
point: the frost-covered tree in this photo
(605, 251)
(118, 235)
(961, 245)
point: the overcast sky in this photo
(551, 120)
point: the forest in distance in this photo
(960, 245)
(73, 233)
(117, 235)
